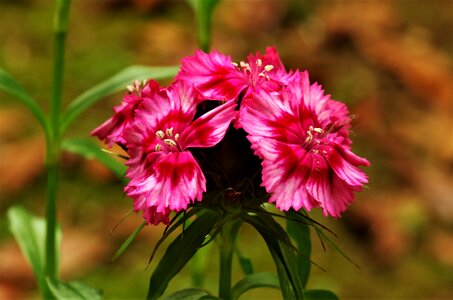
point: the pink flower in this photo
(111, 131)
(164, 176)
(218, 78)
(303, 138)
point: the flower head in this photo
(112, 130)
(164, 175)
(303, 138)
(218, 78)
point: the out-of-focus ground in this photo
(390, 61)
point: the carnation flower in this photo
(164, 175)
(303, 138)
(218, 78)
(111, 131)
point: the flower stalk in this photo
(227, 241)
(53, 151)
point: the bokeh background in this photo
(390, 61)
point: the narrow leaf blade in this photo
(127, 242)
(30, 233)
(11, 86)
(179, 252)
(203, 12)
(300, 232)
(188, 294)
(90, 150)
(111, 86)
(252, 281)
(73, 290)
(320, 295)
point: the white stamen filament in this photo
(160, 134)
(169, 142)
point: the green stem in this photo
(226, 246)
(54, 140)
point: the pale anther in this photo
(169, 142)
(268, 68)
(318, 130)
(242, 64)
(259, 62)
(158, 147)
(144, 82)
(169, 132)
(176, 137)
(234, 64)
(130, 88)
(160, 134)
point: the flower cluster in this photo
(300, 135)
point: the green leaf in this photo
(127, 242)
(300, 232)
(112, 85)
(282, 253)
(203, 11)
(244, 261)
(180, 251)
(198, 264)
(334, 246)
(188, 294)
(252, 281)
(73, 290)
(320, 295)
(30, 232)
(11, 86)
(91, 150)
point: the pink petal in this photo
(344, 168)
(153, 217)
(176, 181)
(173, 107)
(112, 130)
(213, 74)
(210, 128)
(332, 193)
(285, 177)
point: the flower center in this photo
(167, 141)
(314, 134)
(258, 69)
(136, 86)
